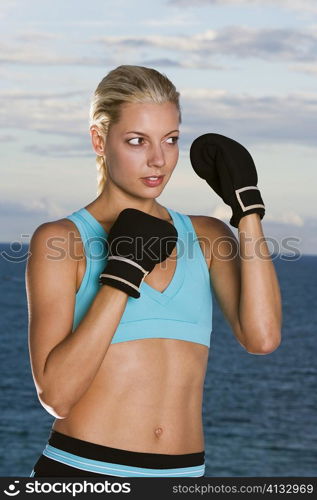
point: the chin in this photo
(137, 194)
(143, 192)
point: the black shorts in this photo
(66, 456)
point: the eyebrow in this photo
(142, 133)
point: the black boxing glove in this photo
(136, 242)
(228, 168)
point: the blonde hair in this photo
(126, 83)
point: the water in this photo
(259, 411)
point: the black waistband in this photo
(125, 457)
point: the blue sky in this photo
(245, 68)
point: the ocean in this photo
(259, 411)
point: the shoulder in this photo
(214, 234)
(210, 226)
(49, 237)
(59, 227)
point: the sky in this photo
(246, 69)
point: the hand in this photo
(136, 242)
(229, 170)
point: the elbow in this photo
(265, 349)
(268, 343)
(53, 407)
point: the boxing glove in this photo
(228, 168)
(136, 242)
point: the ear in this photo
(97, 141)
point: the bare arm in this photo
(245, 284)
(260, 308)
(64, 363)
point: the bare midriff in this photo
(146, 396)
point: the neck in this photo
(113, 200)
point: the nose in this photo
(156, 156)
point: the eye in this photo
(135, 139)
(176, 137)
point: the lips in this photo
(150, 176)
(152, 181)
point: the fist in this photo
(228, 168)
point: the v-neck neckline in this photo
(178, 277)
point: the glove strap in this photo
(132, 262)
(135, 275)
(250, 199)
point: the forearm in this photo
(260, 310)
(72, 365)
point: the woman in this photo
(119, 359)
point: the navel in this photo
(158, 431)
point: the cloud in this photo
(291, 238)
(199, 50)
(169, 21)
(257, 119)
(39, 207)
(64, 113)
(221, 212)
(164, 61)
(286, 232)
(34, 53)
(7, 138)
(6, 6)
(78, 149)
(286, 217)
(15, 94)
(37, 36)
(265, 119)
(309, 69)
(307, 5)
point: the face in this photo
(143, 143)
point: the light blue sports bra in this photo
(182, 311)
